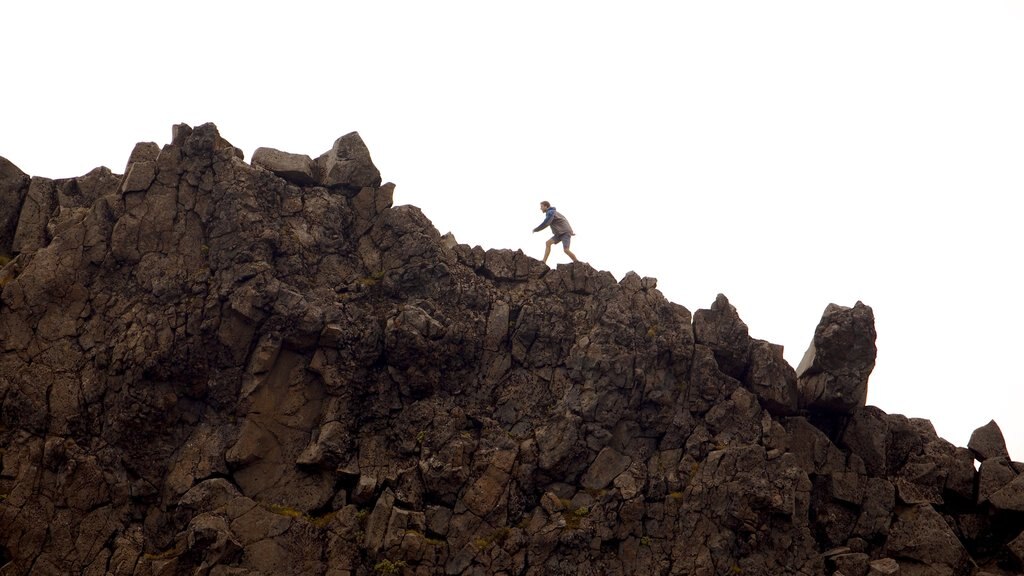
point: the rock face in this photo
(211, 367)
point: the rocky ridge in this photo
(209, 366)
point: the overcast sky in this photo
(786, 154)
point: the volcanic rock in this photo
(215, 367)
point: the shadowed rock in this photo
(13, 187)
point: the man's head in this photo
(544, 205)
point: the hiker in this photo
(559, 226)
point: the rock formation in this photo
(220, 368)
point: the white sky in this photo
(786, 154)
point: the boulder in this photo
(721, 330)
(987, 442)
(295, 168)
(347, 164)
(833, 374)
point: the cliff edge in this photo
(223, 368)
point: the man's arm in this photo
(547, 220)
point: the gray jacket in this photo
(559, 225)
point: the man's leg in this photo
(547, 251)
(565, 247)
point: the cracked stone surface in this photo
(215, 367)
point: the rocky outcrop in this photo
(833, 374)
(215, 367)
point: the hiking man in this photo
(559, 227)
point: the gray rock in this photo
(296, 168)
(987, 442)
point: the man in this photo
(559, 227)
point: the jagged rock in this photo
(924, 544)
(139, 177)
(13, 187)
(211, 368)
(987, 442)
(876, 509)
(772, 379)
(993, 475)
(720, 329)
(39, 204)
(833, 374)
(1010, 496)
(867, 435)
